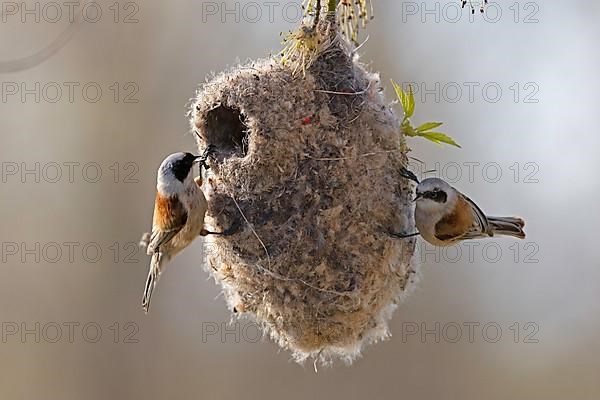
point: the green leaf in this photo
(401, 96)
(408, 130)
(438, 137)
(407, 100)
(429, 126)
(411, 102)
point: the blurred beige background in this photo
(540, 133)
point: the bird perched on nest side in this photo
(179, 212)
(444, 216)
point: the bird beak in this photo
(417, 197)
(197, 159)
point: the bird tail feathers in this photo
(152, 280)
(509, 226)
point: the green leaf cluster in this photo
(426, 130)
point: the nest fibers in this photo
(310, 168)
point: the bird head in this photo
(435, 194)
(175, 173)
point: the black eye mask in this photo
(439, 196)
(181, 168)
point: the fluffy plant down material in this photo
(309, 167)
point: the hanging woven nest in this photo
(308, 165)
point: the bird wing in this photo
(481, 224)
(454, 225)
(170, 216)
(465, 222)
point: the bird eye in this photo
(440, 196)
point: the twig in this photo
(331, 6)
(350, 158)
(360, 45)
(253, 231)
(319, 289)
(343, 93)
(318, 15)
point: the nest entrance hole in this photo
(226, 129)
